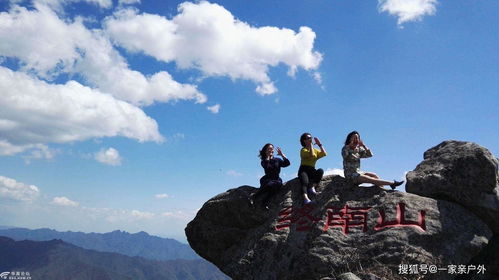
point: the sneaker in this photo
(307, 201)
(396, 184)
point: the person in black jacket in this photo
(270, 183)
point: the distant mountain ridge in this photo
(58, 260)
(139, 244)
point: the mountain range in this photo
(138, 244)
(57, 259)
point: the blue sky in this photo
(131, 114)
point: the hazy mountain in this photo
(59, 260)
(139, 244)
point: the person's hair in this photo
(263, 151)
(349, 137)
(303, 137)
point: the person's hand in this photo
(361, 143)
(279, 152)
(317, 141)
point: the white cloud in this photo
(214, 109)
(64, 201)
(408, 10)
(162, 195)
(128, 2)
(142, 215)
(317, 77)
(233, 173)
(110, 157)
(36, 112)
(230, 47)
(58, 4)
(266, 88)
(334, 171)
(48, 46)
(39, 151)
(10, 188)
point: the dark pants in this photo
(308, 176)
(267, 189)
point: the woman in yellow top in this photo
(307, 173)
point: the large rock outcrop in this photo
(368, 231)
(464, 173)
(295, 242)
(461, 172)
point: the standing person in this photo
(352, 152)
(270, 183)
(307, 173)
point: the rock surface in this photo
(461, 172)
(465, 173)
(325, 240)
(348, 276)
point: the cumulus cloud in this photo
(10, 188)
(162, 195)
(64, 201)
(266, 88)
(128, 2)
(58, 4)
(48, 46)
(408, 10)
(110, 157)
(35, 112)
(334, 171)
(231, 47)
(106, 99)
(214, 109)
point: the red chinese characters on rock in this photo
(302, 217)
(345, 218)
(284, 218)
(400, 220)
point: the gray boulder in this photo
(347, 229)
(348, 276)
(461, 172)
(465, 173)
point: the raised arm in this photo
(318, 143)
(285, 161)
(365, 152)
